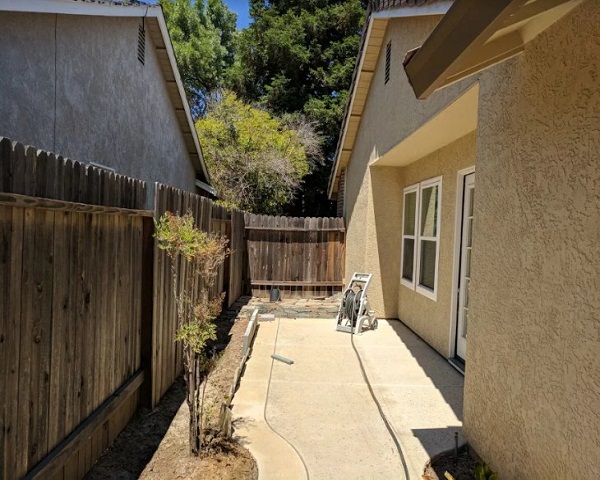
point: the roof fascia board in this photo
(205, 186)
(172, 60)
(447, 44)
(336, 164)
(71, 7)
(436, 8)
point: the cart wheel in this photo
(375, 324)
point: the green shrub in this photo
(484, 472)
(203, 254)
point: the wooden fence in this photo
(70, 310)
(303, 257)
(167, 355)
(87, 311)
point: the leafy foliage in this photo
(180, 237)
(256, 160)
(484, 472)
(203, 34)
(298, 56)
(204, 253)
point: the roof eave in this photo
(200, 164)
(394, 9)
(475, 35)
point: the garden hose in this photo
(387, 424)
(267, 400)
(351, 305)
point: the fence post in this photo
(147, 309)
(227, 267)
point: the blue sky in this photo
(241, 8)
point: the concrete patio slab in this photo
(322, 405)
(276, 458)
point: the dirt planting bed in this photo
(461, 468)
(155, 443)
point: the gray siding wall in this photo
(73, 84)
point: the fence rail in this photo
(167, 355)
(87, 311)
(70, 315)
(303, 257)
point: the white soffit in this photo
(439, 7)
(455, 121)
(372, 43)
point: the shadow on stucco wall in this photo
(386, 196)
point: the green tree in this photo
(203, 35)
(298, 56)
(256, 160)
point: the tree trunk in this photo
(192, 377)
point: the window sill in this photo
(426, 292)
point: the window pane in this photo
(429, 201)
(469, 232)
(468, 263)
(410, 208)
(427, 272)
(408, 259)
(471, 200)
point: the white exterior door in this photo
(464, 280)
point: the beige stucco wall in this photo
(374, 195)
(431, 319)
(532, 393)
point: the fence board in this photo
(72, 276)
(56, 274)
(60, 322)
(11, 224)
(304, 257)
(26, 322)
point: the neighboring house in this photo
(479, 204)
(98, 82)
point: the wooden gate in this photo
(303, 257)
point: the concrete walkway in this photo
(328, 426)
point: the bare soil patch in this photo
(463, 469)
(155, 443)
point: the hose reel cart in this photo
(354, 307)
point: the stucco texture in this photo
(432, 319)
(373, 195)
(75, 86)
(532, 392)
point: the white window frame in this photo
(404, 281)
(415, 285)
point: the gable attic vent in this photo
(142, 44)
(388, 59)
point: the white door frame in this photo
(460, 185)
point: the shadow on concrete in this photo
(437, 440)
(443, 376)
